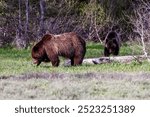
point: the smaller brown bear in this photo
(112, 44)
(50, 47)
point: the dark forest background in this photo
(22, 22)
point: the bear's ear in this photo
(47, 36)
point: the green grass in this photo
(96, 50)
(19, 66)
(16, 62)
(20, 79)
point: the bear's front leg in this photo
(55, 61)
(106, 52)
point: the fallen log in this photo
(120, 59)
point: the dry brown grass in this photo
(76, 86)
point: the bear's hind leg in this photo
(78, 60)
(72, 61)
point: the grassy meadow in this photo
(20, 79)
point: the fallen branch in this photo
(120, 59)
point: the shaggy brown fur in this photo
(112, 44)
(68, 45)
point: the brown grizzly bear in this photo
(112, 44)
(68, 45)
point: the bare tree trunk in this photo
(21, 40)
(141, 22)
(18, 39)
(26, 38)
(41, 18)
(142, 39)
(96, 31)
(20, 23)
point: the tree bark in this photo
(19, 35)
(19, 21)
(41, 18)
(27, 22)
